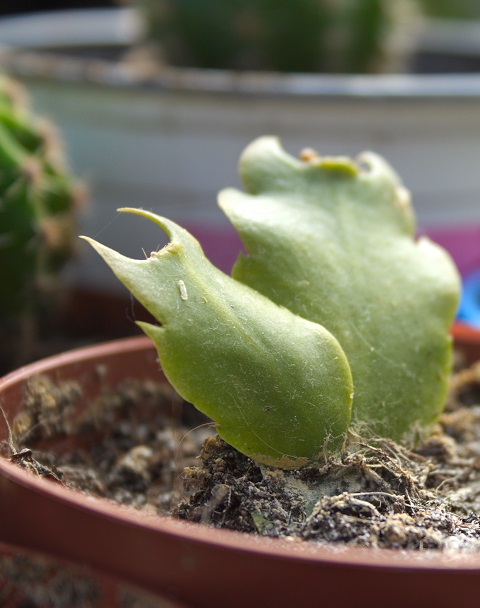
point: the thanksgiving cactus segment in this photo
(278, 386)
(332, 240)
(335, 299)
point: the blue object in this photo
(469, 310)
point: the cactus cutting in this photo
(336, 318)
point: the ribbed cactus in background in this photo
(295, 36)
(446, 9)
(38, 199)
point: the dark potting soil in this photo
(134, 447)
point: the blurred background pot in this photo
(193, 563)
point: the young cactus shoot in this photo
(336, 316)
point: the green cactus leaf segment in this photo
(278, 386)
(335, 299)
(333, 241)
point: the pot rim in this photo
(196, 533)
(34, 45)
(319, 88)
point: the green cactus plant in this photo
(335, 300)
(301, 36)
(461, 9)
(38, 201)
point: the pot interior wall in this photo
(98, 371)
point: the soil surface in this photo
(136, 447)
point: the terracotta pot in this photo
(192, 563)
